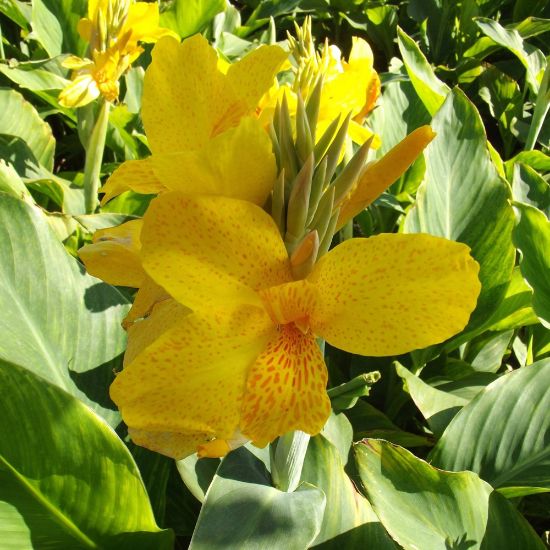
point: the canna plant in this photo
(320, 313)
(243, 295)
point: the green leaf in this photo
(437, 406)
(348, 521)
(530, 188)
(531, 58)
(20, 119)
(486, 352)
(11, 183)
(187, 17)
(54, 23)
(503, 434)
(532, 237)
(429, 88)
(16, 11)
(58, 322)
(243, 511)
(369, 422)
(66, 479)
(535, 159)
(423, 507)
(463, 198)
(32, 77)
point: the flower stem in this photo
(94, 157)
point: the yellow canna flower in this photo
(113, 29)
(245, 365)
(198, 119)
(351, 86)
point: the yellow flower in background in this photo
(113, 29)
(244, 365)
(198, 120)
(349, 87)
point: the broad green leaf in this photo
(66, 479)
(530, 188)
(369, 422)
(187, 17)
(535, 159)
(399, 111)
(463, 198)
(437, 406)
(429, 88)
(243, 511)
(349, 521)
(11, 183)
(33, 77)
(532, 237)
(62, 192)
(197, 474)
(58, 321)
(54, 23)
(503, 434)
(20, 119)
(485, 353)
(17, 11)
(530, 57)
(423, 507)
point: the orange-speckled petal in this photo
(185, 96)
(253, 75)
(285, 389)
(141, 334)
(114, 255)
(135, 175)
(214, 171)
(393, 293)
(172, 444)
(290, 302)
(148, 295)
(212, 252)
(379, 175)
(192, 378)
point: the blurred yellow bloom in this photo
(245, 365)
(113, 29)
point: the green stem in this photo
(541, 108)
(94, 158)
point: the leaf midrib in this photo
(55, 512)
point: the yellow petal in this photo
(290, 302)
(360, 56)
(191, 379)
(360, 134)
(185, 95)
(209, 252)
(81, 91)
(148, 295)
(114, 255)
(172, 444)
(135, 175)
(379, 175)
(214, 171)
(142, 334)
(285, 389)
(253, 75)
(393, 293)
(143, 22)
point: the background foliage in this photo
(450, 448)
